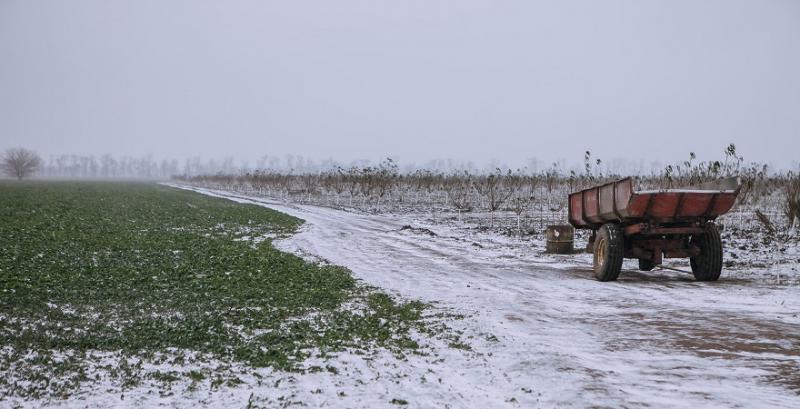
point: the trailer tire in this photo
(609, 249)
(646, 265)
(707, 266)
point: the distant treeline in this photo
(108, 166)
(129, 167)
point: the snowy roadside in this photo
(543, 333)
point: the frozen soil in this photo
(538, 330)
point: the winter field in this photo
(119, 294)
(541, 323)
(193, 295)
(399, 204)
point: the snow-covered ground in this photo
(542, 331)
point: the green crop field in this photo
(113, 282)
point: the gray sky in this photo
(416, 80)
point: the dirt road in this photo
(543, 332)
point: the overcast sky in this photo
(415, 80)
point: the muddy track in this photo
(650, 339)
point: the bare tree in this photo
(495, 189)
(385, 178)
(353, 182)
(458, 189)
(20, 163)
(522, 188)
(310, 182)
(791, 205)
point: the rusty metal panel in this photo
(637, 206)
(591, 205)
(618, 201)
(622, 198)
(694, 205)
(723, 203)
(576, 210)
(606, 202)
(663, 206)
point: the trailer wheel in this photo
(646, 265)
(608, 252)
(708, 265)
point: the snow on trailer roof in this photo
(685, 191)
(726, 185)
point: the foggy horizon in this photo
(480, 82)
(149, 167)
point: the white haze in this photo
(475, 81)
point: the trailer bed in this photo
(619, 202)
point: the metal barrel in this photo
(560, 238)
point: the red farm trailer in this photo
(653, 224)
